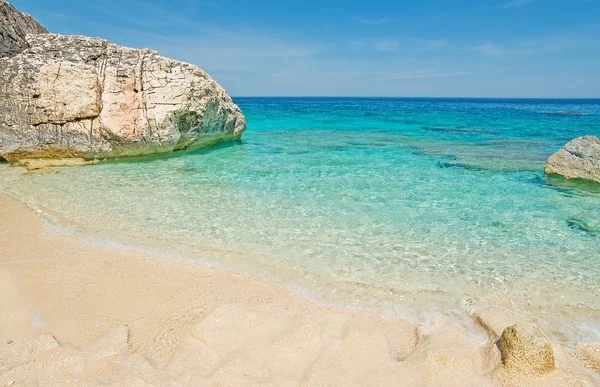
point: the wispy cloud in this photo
(431, 45)
(60, 15)
(370, 22)
(357, 44)
(284, 75)
(408, 44)
(537, 46)
(517, 3)
(123, 17)
(244, 50)
(386, 45)
(490, 49)
(425, 74)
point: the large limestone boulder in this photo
(77, 97)
(579, 159)
(14, 26)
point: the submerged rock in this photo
(525, 350)
(14, 26)
(69, 97)
(579, 159)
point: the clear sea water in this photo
(400, 207)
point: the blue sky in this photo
(427, 48)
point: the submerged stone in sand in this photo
(589, 355)
(66, 97)
(579, 159)
(525, 350)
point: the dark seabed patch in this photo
(186, 170)
(563, 113)
(460, 130)
(398, 121)
(521, 143)
(542, 180)
(583, 226)
(456, 164)
(272, 150)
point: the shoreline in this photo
(577, 308)
(77, 313)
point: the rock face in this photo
(14, 26)
(525, 350)
(579, 159)
(68, 97)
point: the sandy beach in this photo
(281, 194)
(74, 314)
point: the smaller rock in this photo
(525, 350)
(10, 383)
(579, 159)
(9, 341)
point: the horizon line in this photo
(405, 97)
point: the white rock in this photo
(77, 97)
(579, 159)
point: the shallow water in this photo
(395, 206)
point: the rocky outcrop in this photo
(579, 159)
(73, 97)
(525, 350)
(14, 26)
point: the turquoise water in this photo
(395, 206)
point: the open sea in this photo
(398, 207)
